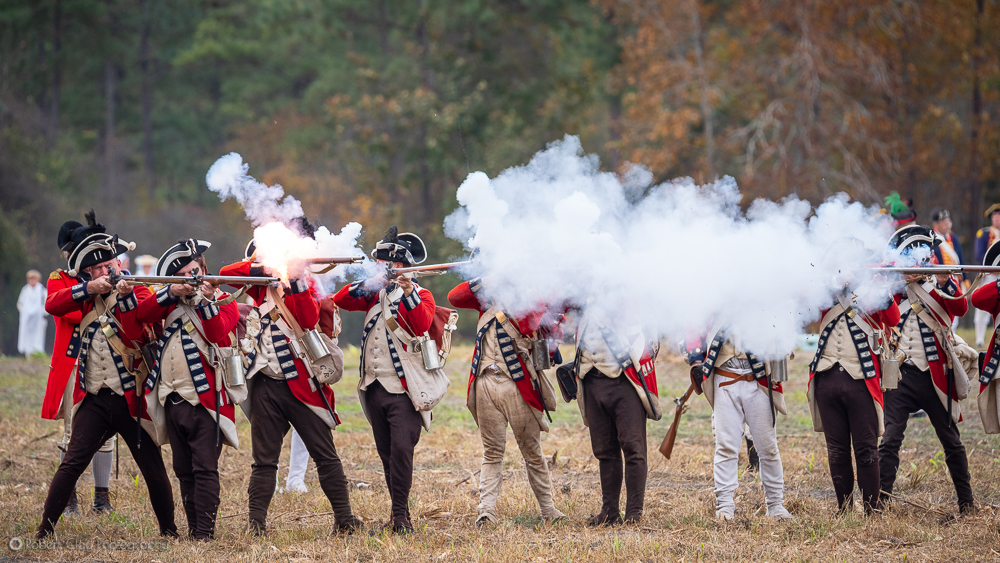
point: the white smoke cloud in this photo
(281, 246)
(681, 256)
(262, 203)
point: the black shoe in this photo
(102, 502)
(603, 519)
(170, 533)
(73, 506)
(257, 529)
(402, 529)
(349, 526)
(753, 460)
(968, 509)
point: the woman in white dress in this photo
(31, 305)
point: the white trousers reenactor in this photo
(506, 389)
(739, 389)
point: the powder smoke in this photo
(669, 257)
(281, 245)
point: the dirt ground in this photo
(678, 524)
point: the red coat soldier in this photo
(110, 370)
(197, 409)
(283, 393)
(409, 310)
(58, 401)
(987, 300)
(505, 388)
(845, 390)
(927, 383)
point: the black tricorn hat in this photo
(992, 256)
(251, 249)
(180, 255)
(400, 247)
(914, 236)
(65, 237)
(96, 248)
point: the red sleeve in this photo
(528, 323)
(303, 303)
(62, 303)
(348, 298)
(420, 315)
(462, 297)
(954, 307)
(151, 309)
(987, 298)
(53, 286)
(889, 317)
(220, 322)
(128, 317)
(257, 292)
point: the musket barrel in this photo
(194, 280)
(938, 270)
(430, 269)
(338, 260)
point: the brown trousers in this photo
(396, 426)
(274, 409)
(191, 430)
(617, 423)
(915, 392)
(98, 418)
(848, 413)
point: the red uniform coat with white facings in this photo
(463, 297)
(74, 299)
(415, 322)
(952, 308)
(63, 358)
(885, 320)
(218, 322)
(987, 298)
(304, 307)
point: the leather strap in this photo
(733, 378)
(286, 315)
(128, 355)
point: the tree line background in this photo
(375, 111)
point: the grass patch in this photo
(678, 523)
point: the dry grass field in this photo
(678, 524)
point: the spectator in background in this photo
(949, 252)
(144, 265)
(984, 238)
(900, 210)
(31, 305)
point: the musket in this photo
(667, 445)
(338, 260)
(331, 263)
(195, 280)
(938, 270)
(429, 270)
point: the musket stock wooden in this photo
(667, 445)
